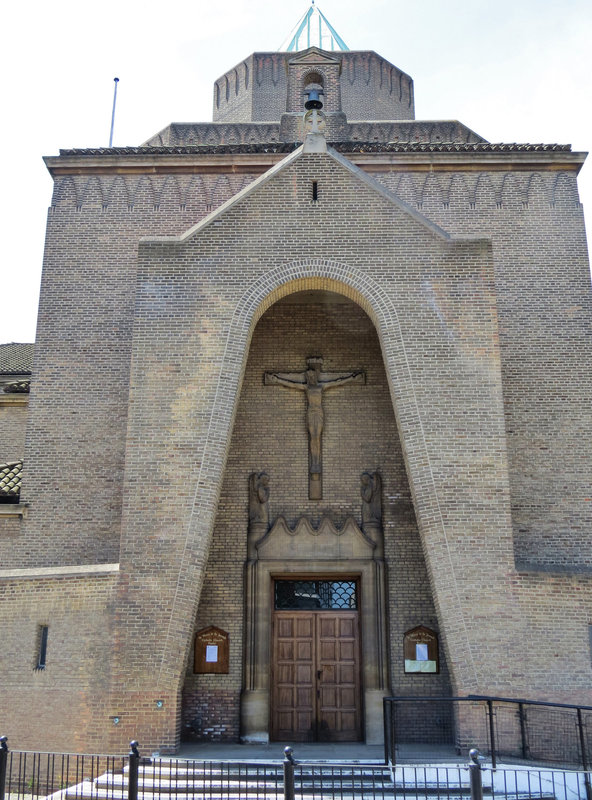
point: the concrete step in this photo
(175, 780)
(226, 784)
(201, 783)
(104, 789)
(213, 792)
(243, 792)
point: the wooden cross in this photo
(314, 383)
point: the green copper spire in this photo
(313, 30)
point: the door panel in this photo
(339, 712)
(316, 677)
(304, 650)
(347, 651)
(348, 626)
(285, 626)
(293, 700)
(304, 626)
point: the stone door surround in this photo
(311, 552)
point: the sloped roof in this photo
(313, 30)
(340, 147)
(10, 479)
(16, 358)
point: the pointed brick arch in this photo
(308, 274)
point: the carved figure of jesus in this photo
(313, 383)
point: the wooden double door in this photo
(315, 677)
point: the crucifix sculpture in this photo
(314, 382)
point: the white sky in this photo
(512, 70)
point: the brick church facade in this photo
(305, 390)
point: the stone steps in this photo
(182, 780)
(229, 781)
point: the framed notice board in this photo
(211, 651)
(420, 646)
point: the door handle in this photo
(319, 673)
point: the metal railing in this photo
(502, 727)
(519, 784)
(56, 776)
(26, 775)
(319, 781)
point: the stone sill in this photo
(13, 510)
(80, 571)
(16, 399)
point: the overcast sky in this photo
(512, 70)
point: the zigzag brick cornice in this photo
(423, 185)
(218, 134)
(182, 134)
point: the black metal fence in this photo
(346, 781)
(524, 730)
(33, 776)
(26, 775)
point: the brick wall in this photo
(13, 425)
(74, 472)
(544, 307)
(210, 715)
(65, 706)
(371, 88)
(233, 94)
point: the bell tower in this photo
(357, 84)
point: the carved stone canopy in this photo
(325, 542)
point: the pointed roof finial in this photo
(313, 30)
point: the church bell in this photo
(314, 100)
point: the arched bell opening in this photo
(313, 90)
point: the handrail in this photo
(527, 702)
(488, 697)
(532, 738)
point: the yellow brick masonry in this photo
(445, 383)
(468, 329)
